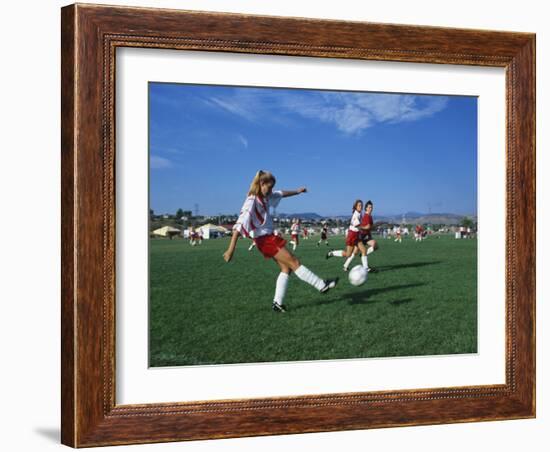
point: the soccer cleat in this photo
(371, 270)
(345, 269)
(329, 284)
(278, 307)
(328, 255)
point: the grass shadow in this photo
(400, 302)
(385, 268)
(365, 296)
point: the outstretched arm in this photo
(287, 193)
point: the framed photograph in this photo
(282, 225)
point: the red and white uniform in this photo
(353, 232)
(295, 232)
(366, 221)
(255, 219)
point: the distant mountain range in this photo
(409, 217)
(302, 216)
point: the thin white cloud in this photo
(243, 141)
(168, 149)
(350, 113)
(233, 106)
(157, 162)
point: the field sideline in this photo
(422, 301)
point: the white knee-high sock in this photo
(309, 277)
(280, 288)
(348, 261)
(365, 261)
(337, 253)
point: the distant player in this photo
(305, 234)
(324, 234)
(365, 236)
(255, 216)
(295, 233)
(418, 233)
(398, 237)
(352, 237)
(192, 236)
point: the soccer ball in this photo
(358, 275)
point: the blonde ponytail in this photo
(259, 178)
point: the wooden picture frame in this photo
(90, 36)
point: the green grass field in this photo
(422, 301)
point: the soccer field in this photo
(422, 301)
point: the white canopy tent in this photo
(166, 231)
(212, 230)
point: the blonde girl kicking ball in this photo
(255, 217)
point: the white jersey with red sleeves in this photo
(295, 229)
(255, 217)
(355, 221)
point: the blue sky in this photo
(406, 152)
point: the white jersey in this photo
(355, 221)
(295, 229)
(255, 217)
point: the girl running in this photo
(192, 236)
(365, 236)
(352, 239)
(295, 233)
(255, 216)
(398, 234)
(324, 234)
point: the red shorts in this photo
(352, 238)
(294, 237)
(269, 245)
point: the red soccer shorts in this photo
(352, 238)
(269, 245)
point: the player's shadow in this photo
(400, 302)
(366, 296)
(384, 268)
